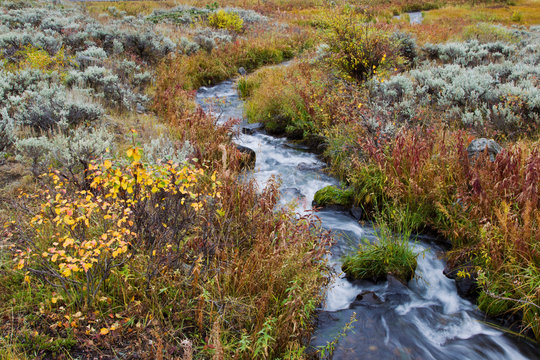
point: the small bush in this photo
(360, 49)
(96, 231)
(224, 20)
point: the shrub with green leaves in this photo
(360, 49)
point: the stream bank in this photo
(425, 320)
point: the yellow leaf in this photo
(104, 331)
(107, 164)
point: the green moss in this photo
(331, 195)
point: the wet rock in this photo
(367, 298)
(317, 143)
(296, 146)
(356, 212)
(249, 159)
(467, 286)
(307, 167)
(478, 146)
(271, 162)
(242, 71)
(276, 125)
(292, 192)
(396, 291)
(250, 129)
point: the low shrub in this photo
(361, 50)
(224, 20)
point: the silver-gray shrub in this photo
(163, 149)
(80, 146)
(7, 130)
(248, 16)
(105, 84)
(468, 84)
(72, 150)
(187, 47)
(50, 106)
(208, 38)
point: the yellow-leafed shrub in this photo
(35, 58)
(78, 237)
(225, 20)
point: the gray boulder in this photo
(242, 71)
(478, 146)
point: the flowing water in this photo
(415, 17)
(424, 320)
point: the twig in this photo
(489, 293)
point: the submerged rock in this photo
(308, 167)
(367, 298)
(396, 291)
(292, 192)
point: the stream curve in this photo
(425, 320)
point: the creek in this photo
(425, 320)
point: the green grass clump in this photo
(391, 255)
(331, 195)
(486, 33)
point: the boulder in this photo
(478, 146)
(250, 129)
(250, 156)
(356, 212)
(333, 196)
(140, 109)
(467, 286)
(396, 291)
(242, 71)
